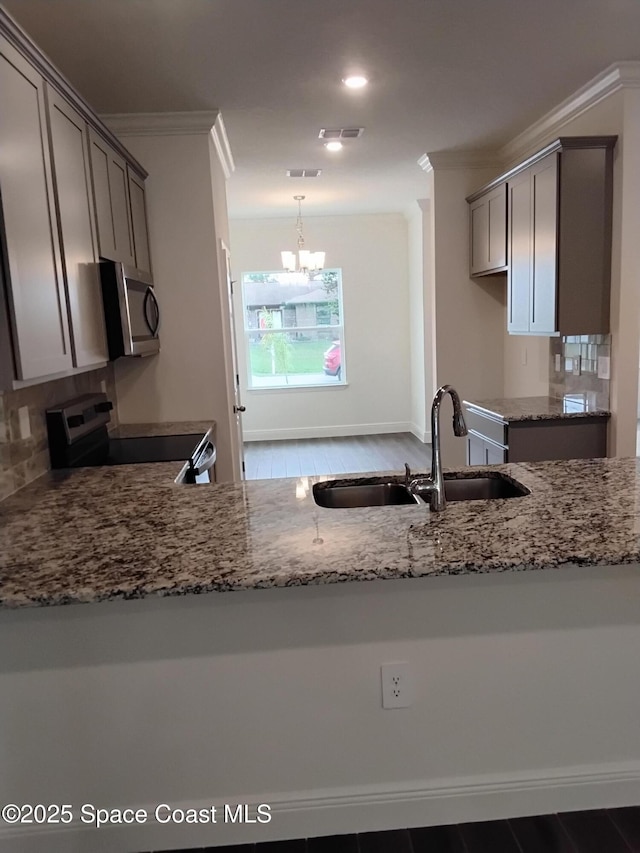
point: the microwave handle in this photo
(153, 326)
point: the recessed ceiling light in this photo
(333, 146)
(355, 81)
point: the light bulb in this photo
(355, 81)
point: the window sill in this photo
(273, 388)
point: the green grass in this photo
(304, 357)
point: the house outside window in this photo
(293, 328)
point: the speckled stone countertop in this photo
(166, 428)
(539, 408)
(129, 532)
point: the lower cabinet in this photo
(481, 451)
(534, 440)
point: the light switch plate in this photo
(604, 367)
(558, 364)
(25, 423)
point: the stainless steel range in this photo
(78, 437)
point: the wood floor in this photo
(265, 460)
(611, 831)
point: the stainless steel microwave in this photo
(131, 310)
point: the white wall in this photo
(420, 319)
(187, 380)
(469, 316)
(527, 687)
(372, 252)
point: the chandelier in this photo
(306, 261)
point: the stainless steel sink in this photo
(483, 487)
(371, 494)
(486, 486)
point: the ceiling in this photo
(444, 74)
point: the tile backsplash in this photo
(23, 459)
(564, 353)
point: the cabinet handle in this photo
(237, 409)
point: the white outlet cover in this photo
(24, 421)
(397, 685)
(558, 364)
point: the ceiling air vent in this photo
(341, 133)
(304, 173)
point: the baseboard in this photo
(423, 435)
(347, 810)
(335, 431)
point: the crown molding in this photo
(459, 160)
(620, 75)
(223, 149)
(161, 124)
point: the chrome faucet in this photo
(433, 486)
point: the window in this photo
(293, 329)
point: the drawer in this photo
(492, 428)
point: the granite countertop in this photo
(165, 428)
(540, 408)
(95, 534)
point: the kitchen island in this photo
(129, 531)
(526, 684)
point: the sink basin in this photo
(371, 494)
(483, 486)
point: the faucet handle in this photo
(407, 474)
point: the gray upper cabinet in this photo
(111, 192)
(65, 201)
(488, 231)
(139, 222)
(32, 260)
(532, 279)
(559, 234)
(74, 200)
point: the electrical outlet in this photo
(604, 367)
(558, 363)
(397, 686)
(577, 365)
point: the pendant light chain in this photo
(306, 261)
(299, 199)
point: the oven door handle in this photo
(150, 296)
(206, 460)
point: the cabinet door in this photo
(519, 275)
(479, 235)
(488, 232)
(493, 454)
(497, 239)
(475, 450)
(74, 198)
(36, 289)
(544, 208)
(139, 223)
(111, 192)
